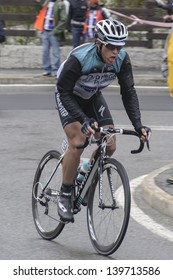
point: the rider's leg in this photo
(111, 147)
(70, 164)
(72, 157)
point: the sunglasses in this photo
(113, 47)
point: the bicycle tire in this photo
(107, 227)
(44, 206)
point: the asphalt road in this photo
(30, 127)
(42, 98)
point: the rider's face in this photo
(109, 52)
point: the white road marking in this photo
(144, 219)
(27, 85)
(153, 127)
(145, 87)
(53, 85)
(161, 127)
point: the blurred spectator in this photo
(166, 5)
(167, 63)
(76, 20)
(51, 22)
(167, 69)
(2, 32)
(96, 11)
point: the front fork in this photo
(102, 205)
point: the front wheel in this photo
(45, 193)
(108, 208)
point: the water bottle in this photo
(83, 170)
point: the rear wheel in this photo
(45, 193)
(108, 215)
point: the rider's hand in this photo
(168, 18)
(144, 132)
(88, 125)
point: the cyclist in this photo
(88, 69)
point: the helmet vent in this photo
(118, 30)
(106, 29)
(113, 29)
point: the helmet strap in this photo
(99, 50)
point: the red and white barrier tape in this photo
(137, 20)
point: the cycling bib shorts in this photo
(95, 107)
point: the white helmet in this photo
(111, 32)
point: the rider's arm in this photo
(70, 73)
(128, 92)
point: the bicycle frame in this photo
(96, 166)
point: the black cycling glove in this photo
(87, 123)
(147, 129)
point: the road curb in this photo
(25, 79)
(19, 78)
(155, 196)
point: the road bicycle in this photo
(105, 187)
